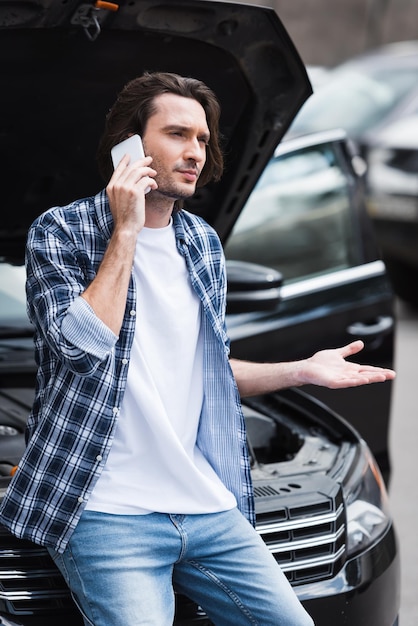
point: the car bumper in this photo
(366, 592)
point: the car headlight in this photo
(366, 503)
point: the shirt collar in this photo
(105, 218)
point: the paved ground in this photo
(404, 446)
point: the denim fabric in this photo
(121, 570)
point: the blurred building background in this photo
(327, 32)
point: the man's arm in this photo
(327, 368)
(107, 293)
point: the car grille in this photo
(308, 541)
(29, 581)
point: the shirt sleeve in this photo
(82, 328)
(59, 269)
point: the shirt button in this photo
(115, 410)
(99, 457)
(133, 313)
(125, 361)
(80, 499)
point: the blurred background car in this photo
(374, 97)
(363, 94)
(393, 200)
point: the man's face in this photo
(176, 137)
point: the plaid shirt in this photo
(82, 371)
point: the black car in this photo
(306, 219)
(320, 497)
(374, 97)
(364, 94)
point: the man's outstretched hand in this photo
(328, 368)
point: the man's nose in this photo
(196, 150)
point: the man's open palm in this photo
(328, 368)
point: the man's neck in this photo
(158, 216)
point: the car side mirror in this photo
(252, 287)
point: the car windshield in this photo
(356, 99)
(13, 316)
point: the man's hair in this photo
(136, 104)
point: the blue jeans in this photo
(121, 570)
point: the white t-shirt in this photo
(154, 463)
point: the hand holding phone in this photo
(132, 146)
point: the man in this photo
(136, 475)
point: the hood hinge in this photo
(91, 16)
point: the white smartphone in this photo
(132, 146)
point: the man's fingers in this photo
(352, 348)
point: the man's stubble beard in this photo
(173, 194)
(168, 188)
(161, 202)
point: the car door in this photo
(306, 220)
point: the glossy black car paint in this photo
(366, 591)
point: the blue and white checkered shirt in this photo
(83, 369)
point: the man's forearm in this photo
(326, 368)
(107, 293)
(258, 378)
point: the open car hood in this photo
(64, 63)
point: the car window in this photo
(298, 218)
